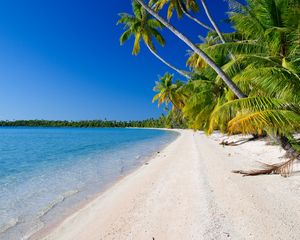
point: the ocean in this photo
(45, 173)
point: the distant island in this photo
(147, 123)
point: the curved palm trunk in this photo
(193, 18)
(215, 26)
(231, 85)
(212, 21)
(281, 140)
(168, 64)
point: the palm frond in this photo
(241, 108)
(271, 120)
(284, 169)
(136, 45)
(125, 36)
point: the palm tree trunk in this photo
(281, 140)
(288, 147)
(215, 26)
(193, 18)
(231, 85)
(212, 21)
(168, 64)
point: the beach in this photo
(188, 191)
(150, 120)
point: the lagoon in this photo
(45, 173)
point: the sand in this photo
(188, 191)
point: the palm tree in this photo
(203, 2)
(181, 7)
(143, 28)
(231, 85)
(196, 62)
(267, 53)
(203, 96)
(206, 92)
(267, 69)
(169, 92)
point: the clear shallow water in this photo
(45, 172)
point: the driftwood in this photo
(242, 141)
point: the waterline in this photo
(45, 172)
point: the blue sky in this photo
(61, 59)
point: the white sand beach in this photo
(187, 191)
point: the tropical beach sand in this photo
(187, 191)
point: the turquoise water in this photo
(47, 172)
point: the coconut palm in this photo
(267, 69)
(143, 28)
(206, 92)
(195, 62)
(197, 50)
(208, 14)
(182, 7)
(267, 56)
(203, 96)
(169, 92)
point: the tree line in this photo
(161, 122)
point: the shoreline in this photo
(46, 230)
(188, 191)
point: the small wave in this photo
(54, 203)
(44, 211)
(38, 226)
(10, 224)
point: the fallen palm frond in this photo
(291, 146)
(284, 169)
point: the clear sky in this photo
(61, 60)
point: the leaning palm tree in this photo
(267, 69)
(267, 53)
(231, 85)
(208, 14)
(182, 7)
(143, 28)
(205, 91)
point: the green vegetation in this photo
(243, 82)
(143, 28)
(148, 123)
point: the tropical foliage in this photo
(260, 60)
(169, 92)
(144, 28)
(180, 6)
